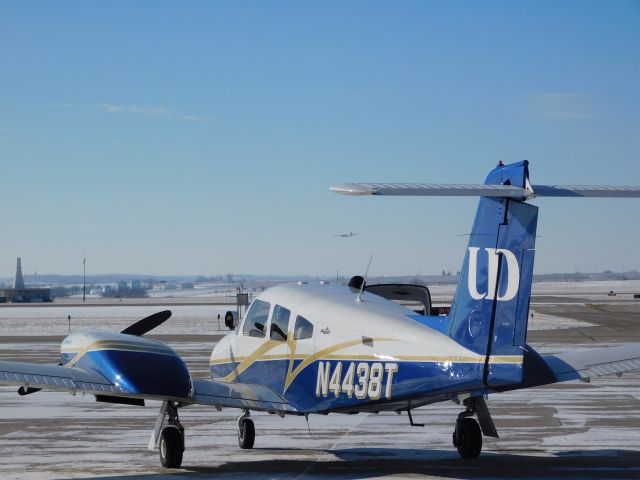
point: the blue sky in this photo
(202, 137)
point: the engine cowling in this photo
(138, 365)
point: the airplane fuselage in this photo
(371, 354)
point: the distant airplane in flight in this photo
(345, 235)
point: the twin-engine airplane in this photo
(303, 349)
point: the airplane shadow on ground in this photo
(377, 462)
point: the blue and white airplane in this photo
(304, 349)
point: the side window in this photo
(279, 323)
(303, 328)
(256, 319)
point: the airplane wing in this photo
(56, 377)
(32, 377)
(239, 395)
(594, 362)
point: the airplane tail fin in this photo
(491, 304)
(490, 308)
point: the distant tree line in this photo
(121, 291)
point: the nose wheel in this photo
(246, 431)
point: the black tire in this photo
(171, 447)
(467, 438)
(246, 433)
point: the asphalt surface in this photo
(570, 430)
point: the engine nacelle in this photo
(139, 365)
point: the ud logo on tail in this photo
(513, 274)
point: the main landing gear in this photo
(170, 438)
(171, 447)
(246, 431)
(467, 436)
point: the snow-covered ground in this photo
(186, 319)
(203, 319)
(571, 430)
(53, 320)
(593, 291)
(204, 290)
(543, 321)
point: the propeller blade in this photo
(148, 323)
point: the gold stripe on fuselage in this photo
(248, 361)
(291, 376)
(506, 359)
(510, 359)
(260, 355)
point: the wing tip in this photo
(352, 189)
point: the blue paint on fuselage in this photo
(413, 380)
(439, 323)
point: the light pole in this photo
(84, 276)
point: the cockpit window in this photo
(256, 319)
(279, 323)
(303, 328)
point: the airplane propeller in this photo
(148, 323)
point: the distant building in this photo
(20, 294)
(96, 290)
(136, 284)
(186, 286)
(163, 285)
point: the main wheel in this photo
(171, 447)
(467, 438)
(246, 433)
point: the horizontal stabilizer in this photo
(585, 191)
(480, 190)
(431, 189)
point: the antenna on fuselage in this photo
(364, 281)
(306, 417)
